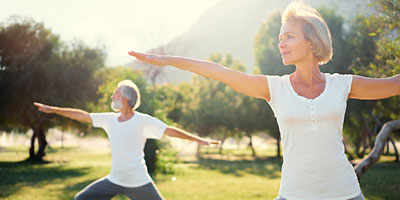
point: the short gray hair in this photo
(131, 92)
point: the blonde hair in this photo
(315, 29)
(130, 91)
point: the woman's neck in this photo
(307, 74)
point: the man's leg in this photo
(145, 192)
(359, 197)
(101, 189)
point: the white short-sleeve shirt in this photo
(127, 140)
(314, 163)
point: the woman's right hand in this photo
(44, 108)
(153, 59)
(251, 85)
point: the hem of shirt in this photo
(128, 185)
(337, 198)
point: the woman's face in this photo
(293, 46)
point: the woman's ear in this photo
(310, 44)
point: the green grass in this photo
(233, 176)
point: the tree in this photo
(36, 66)
(266, 52)
(238, 115)
(373, 157)
(383, 27)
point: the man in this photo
(127, 131)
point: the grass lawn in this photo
(230, 177)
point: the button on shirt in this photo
(127, 140)
(314, 163)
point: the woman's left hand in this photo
(153, 59)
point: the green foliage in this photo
(341, 60)
(167, 158)
(266, 52)
(36, 66)
(374, 41)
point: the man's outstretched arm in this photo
(72, 113)
(178, 133)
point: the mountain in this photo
(230, 27)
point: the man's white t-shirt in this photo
(314, 163)
(127, 140)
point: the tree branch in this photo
(379, 146)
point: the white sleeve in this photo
(344, 81)
(153, 128)
(273, 84)
(348, 80)
(99, 120)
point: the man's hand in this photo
(72, 113)
(152, 59)
(208, 142)
(44, 108)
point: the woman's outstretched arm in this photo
(251, 85)
(374, 88)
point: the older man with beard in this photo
(127, 130)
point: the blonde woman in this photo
(309, 105)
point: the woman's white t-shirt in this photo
(127, 140)
(314, 162)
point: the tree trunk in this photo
(42, 143)
(32, 148)
(395, 149)
(222, 142)
(201, 134)
(364, 145)
(358, 144)
(387, 147)
(253, 151)
(278, 146)
(37, 126)
(379, 146)
(38, 133)
(366, 134)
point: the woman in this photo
(309, 105)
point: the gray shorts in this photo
(359, 197)
(105, 189)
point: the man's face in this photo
(117, 103)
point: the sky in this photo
(119, 25)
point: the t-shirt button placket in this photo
(313, 116)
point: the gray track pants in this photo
(359, 197)
(103, 189)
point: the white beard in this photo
(117, 105)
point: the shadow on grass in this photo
(70, 191)
(382, 181)
(15, 175)
(268, 167)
